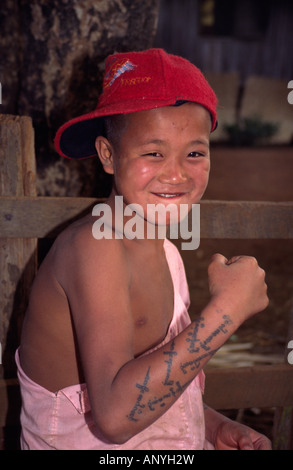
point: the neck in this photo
(130, 224)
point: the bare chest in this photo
(152, 304)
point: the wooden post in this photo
(18, 257)
(283, 422)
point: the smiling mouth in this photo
(168, 195)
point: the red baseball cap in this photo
(136, 81)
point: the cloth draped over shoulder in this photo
(63, 420)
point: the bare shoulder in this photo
(78, 255)
(95, 277)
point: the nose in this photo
(173, 173)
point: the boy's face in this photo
(163, 156)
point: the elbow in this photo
(113, 430)
(114, 437)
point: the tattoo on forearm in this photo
(192, 336)
(192, 339)
(196, 363)
(169, 363)
(173, 392)
(154, 402)
(195, 345)
(221, 329)
(138, 407)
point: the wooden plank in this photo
(46, 216)
(246, 220)
(246, 387)
(17, 157)
(41, 216)
(18, 261)
(283, 428)
(10, 402)
(283, 421)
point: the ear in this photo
(105, 153)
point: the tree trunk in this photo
(53, 54)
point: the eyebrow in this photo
(160, 142)
(204, 142)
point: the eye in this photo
(196, 154)
(152, 154)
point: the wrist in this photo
(226, 308)
(213, 422)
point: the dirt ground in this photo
(256, 174)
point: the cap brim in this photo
(76, 138)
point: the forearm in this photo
(147, 386)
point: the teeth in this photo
(168, 195)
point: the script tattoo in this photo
(152, 403)
(173, 389)
(173, 392)
(169, 363)
(193, 339)
(221, 329)
(203, 345)
(196, 363)
(138, 407)
(193, 336)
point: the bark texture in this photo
(53, 59)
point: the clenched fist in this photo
(238, 285)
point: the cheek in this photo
(140, 172)
(200, 180)
(201, 175)
(206, 171)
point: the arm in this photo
(225, 434)
(128, 394)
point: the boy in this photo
(109, 358)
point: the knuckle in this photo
(261, 273)
(266, 303)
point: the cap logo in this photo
(116, 70)
(135, 80)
